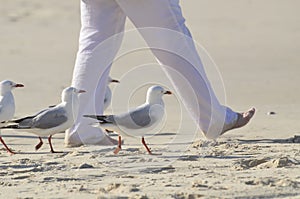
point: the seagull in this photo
(141, 119)
(51, 120)
(7, 104)
(107, 98)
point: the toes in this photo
(242, 120)
(249, 114)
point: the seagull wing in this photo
(134, 119)
(50, 118)
(26, 121)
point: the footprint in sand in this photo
(189, 158)
(168, 169)
(111, 187)
(21, 177)
(187, 195)
(274, 182)
(278, 163)
(26, 170)
(265, 163)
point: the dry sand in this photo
(255, 45)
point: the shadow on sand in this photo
(292, 140)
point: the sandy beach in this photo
(255, 45)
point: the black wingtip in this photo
(15, 126)
(91, 116)
(101, 118)
(20, 119)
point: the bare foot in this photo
(242, 120)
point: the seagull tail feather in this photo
(14, 126)
(21, 119)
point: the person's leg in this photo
(172, 44)
(100, 20)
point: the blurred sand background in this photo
(255, 45)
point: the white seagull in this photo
(107, 98)
(7, 104)
(141, 119)
(52, 120)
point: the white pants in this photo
(102, 19)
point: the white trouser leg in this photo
(179, 54)
(100, 19)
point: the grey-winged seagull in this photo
(52, 120)
(145, 116)
(7, 104)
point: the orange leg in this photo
(49, 140)
(38, 146)
(116, 151)
(7, 149)
(144, 143)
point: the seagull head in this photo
(155, 94)
(111, 80)
(69, 93)
(7, 86)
